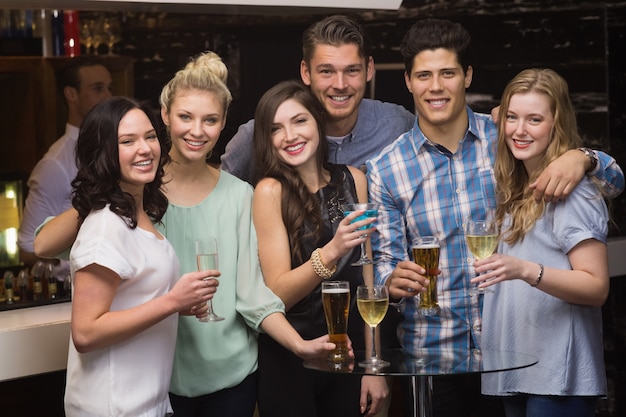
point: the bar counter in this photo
(34, 340)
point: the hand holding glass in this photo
(426, 254)
(336, 302)
(206, 258)
(482, 240)
(371, 210)
(372, 302)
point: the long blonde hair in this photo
(513, 194)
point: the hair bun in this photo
(210, 62)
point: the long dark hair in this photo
(299, 206)
(97, 157)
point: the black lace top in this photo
(307, 316)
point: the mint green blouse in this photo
(217, 355)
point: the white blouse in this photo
(130, 378)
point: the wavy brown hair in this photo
(513, 194)
(97, 182)
(299, 206)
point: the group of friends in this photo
(139, 195)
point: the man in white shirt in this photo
(84, 81)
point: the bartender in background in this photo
(84, 81)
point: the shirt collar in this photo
(362, 123)
(472, 133)
(72, 131)
(473, 130)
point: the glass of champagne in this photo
(371, 210)
(372, 302)
(206, 258)
(482, 240)
(426, 254)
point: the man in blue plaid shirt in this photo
(429, 182)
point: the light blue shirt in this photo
(566, 337)
(426, 190)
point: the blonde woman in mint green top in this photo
(213, 356)
(215, 363)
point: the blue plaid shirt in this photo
(426, 190)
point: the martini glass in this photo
(371, 210)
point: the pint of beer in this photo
(336, 301)
(426, 254)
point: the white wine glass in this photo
(371, 210)
(86, 37)
(482, 239)
(207, 258)
(97, 34)
(112, 32)
(372, 302)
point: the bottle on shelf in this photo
(71, 33)
(8, 287)
(22, 286)
(57, 33)
(37, 272)
(67, 286)
(51, 280)
(44, 17)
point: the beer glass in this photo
(371, 210)
(482, 240)
(372, 302)
(206, 258)
(336, 302)
(426, 254)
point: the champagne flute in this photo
(371, 210)
(206, 258)
(372, 302)
(482, 240)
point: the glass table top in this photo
(430, 362)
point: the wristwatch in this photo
(592, 157)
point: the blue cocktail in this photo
(371, 210)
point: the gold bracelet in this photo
(318, 265)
